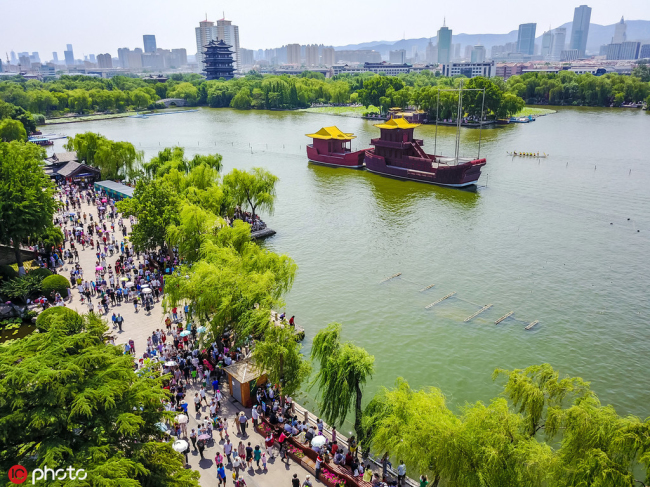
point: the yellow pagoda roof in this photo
(397, 123)
(331, 133)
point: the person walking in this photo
(295, 481)
(221, 474)
(242, 422)
(197, 402)
(249, 455)
(319, 464)
(401, 473)
(236, 466)
(227, 450)
(201, 445)
(193, 436)
(268, 443)
(257, 455)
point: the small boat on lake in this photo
(332, 147)
(535, 155)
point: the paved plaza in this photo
(140, 325)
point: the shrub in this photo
(7, 272)
(40, 272)
(55, 284)
(21, 288)
(71, 318)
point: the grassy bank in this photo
(87, 118)
(342, 111)
(535, 111)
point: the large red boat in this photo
(332, 147)
(397, 154)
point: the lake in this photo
(563, 240)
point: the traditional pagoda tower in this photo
(217, 59)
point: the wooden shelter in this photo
(243, 379)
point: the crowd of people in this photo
(193, 369)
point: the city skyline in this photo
(177, 30)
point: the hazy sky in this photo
(93, 26)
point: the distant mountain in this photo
(637, 30)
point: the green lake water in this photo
(553, 240)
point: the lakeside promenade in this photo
(140, 325)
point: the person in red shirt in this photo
(335, 447)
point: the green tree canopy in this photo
(279, 354)
(67, 398)
(344, 370)
(256, 188)
(12, 130)
(26, 195)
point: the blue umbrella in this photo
(201, 329)
(185, 333)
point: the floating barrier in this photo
(391, 277)
(530, 326)
(484, 308)
(440, 300)
(428, 287)
(508, 315)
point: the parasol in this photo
(129, 284)
(181, 418)
(170, 363)
(180, 446)
(201, 329)
(124, 279)
(185, 333)
(318, 441)
(146, 291)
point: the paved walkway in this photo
(137, 327)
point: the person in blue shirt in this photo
(215, 385)
(221, 474)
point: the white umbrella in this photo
(170, 363)
(180, 446)
(181, 418)
(146, 291)
(145, 286)
(318, 441)
(129, 284)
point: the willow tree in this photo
(235, 283)
(483, 446)
(279, 355)
(256, 188)
(538, 391)
(344, 370)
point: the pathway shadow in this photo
(206, 463)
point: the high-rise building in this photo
(456, 55)
(34, 57)
(229, 33)
(580, 29)
(620, 32)
(644, 52)
(149, 42)
(69, 55)
(468, 52)
(444, 44)
(397, 56)
(55, 57)
(478, 54)
(178, 58)
(526, 38)
(123, 56)
(24, 61)
(311, 55)
(293, 54)
(205, 32)
(14, 59)
(431, 54)
(547, 44)
(559, 42)
(247, 57)
(104, 61)
(329, 56)
(135, 58)
(623, 51)
(92, 58)
(569, 55)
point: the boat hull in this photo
(459, 176)
(352, 160)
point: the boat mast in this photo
(435, 140)
(459, 119)
(480, 126)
